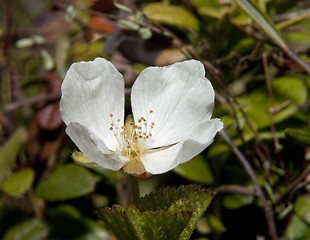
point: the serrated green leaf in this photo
(176, 16)
(298, 136)
(164, 198)
(168, 213)
(197, 170)
(66, 182)
(147, 225)
(9, 152)
(33, 229)
(115, 217)
(19, 182)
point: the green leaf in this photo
(234, 201)
(33, 229)
(66, 182)
(176, 16)
(167, 213)
(145, 225)
(298, 136)
(81, 159)
(302, 208)
(19, 182)
(262, 21)
(214, 12)
(204, 3)
(288, 92)
(114, 217)
(9, 152)
(297, 229)
(196, 170)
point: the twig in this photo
(29, 101)
(270, 92)
(267, 208)
(236, 189)
(293, 185)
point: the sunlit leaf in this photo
(172, 15)
(66, 182)
(33, 229)
(289, 92)
(204, 3)
(196, 170)
(19, 182)
(218, 12)
(82, 160)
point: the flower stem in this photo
(134, 193)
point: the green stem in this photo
(134, 194)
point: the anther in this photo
(110, 115)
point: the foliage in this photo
(165, 214)
(256, 53)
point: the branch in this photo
(293, 185)
(267, 208)
(234, 188)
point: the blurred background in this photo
(256, 54)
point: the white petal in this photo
(162, 161)
(90, 92)
(180, 96)
(202, 136)
(93, 147)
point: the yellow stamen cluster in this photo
(132, 140)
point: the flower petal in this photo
(162, 161)
(93, 147)
(90, 92)
(180, 96)
(202, 136)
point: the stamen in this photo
(132, 139)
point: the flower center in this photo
(132, 140)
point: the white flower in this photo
(171, 106)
